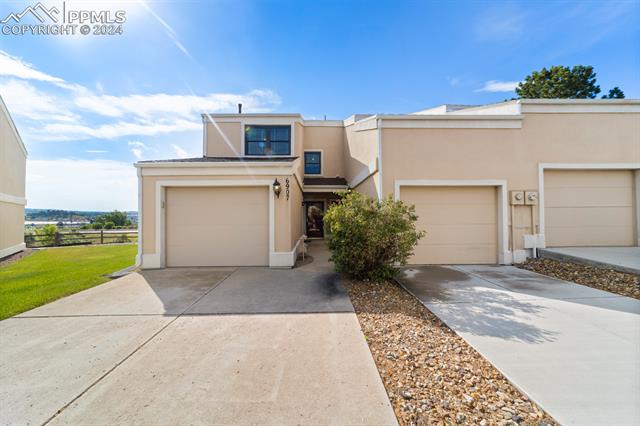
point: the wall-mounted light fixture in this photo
(277, 188)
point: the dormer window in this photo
(267, 140)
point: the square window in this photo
(312, 163)
(267, 140)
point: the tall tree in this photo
(615, 93)
(561, 82)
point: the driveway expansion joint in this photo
(122, 361)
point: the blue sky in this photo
(87, 107)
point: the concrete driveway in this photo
(193, 346)
(573, 349)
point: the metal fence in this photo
(76, 238)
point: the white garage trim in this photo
(158, 259)
(584, 166)
(504, 255)
(139, 254)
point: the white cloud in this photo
(13, 66)
(453, 81)
(181, 153)
(67, 112)
(137, 152)
(138, 144)
(61, 132)
(187, 106)
(81, 184)
(498, 86)
(504, 23)
(25, 100)
(138, 148)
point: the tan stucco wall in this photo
(369, 186)
(330, 141)
(298, 140)
(12, 184)
(12, 161)
(216, 144)
(296, 212)
(510, 154)
(360, 151)
(11, 225)
(283, 228)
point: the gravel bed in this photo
(600, 278)
(432, 376)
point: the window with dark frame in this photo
(312, 163)
(267, 140)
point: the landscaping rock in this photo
(431, 374)
(591, 276)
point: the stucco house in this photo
(490, 183)
(13, 159)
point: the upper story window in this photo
(312, 163)
(267, 140)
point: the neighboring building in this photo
(13, 159)
(490, 183)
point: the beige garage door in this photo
(461, 223)
(588, 208)
(217, 226)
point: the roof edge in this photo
(5, 110)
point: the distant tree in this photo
(116, 218)
(560, 82)
(108, 225)
(46, 235)
(615, 93)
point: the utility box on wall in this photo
(516, 198)
(531, 198)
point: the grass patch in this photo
(50, 274)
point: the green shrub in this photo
(108, 225)
(368, 238)
(46, 236)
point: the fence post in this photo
(56, 239)
(102, 236)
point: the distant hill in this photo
(68, 215)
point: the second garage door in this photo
(217, 226)
(588, 208)
(461, 223)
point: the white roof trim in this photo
(252, 115)
(579, 101)
(4, 109)
(323, 123)
(582, 106)
(238, 168)
(217, 164)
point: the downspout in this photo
(379, 130)
(139, 255)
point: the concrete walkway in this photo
(193, 346)
(573, 349)
(623, 259)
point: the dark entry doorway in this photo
(314, 212)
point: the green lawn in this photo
(50, 274)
